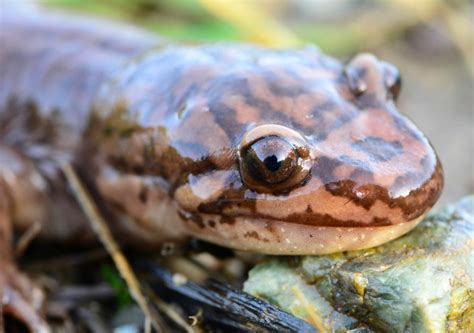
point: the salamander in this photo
(276, 151)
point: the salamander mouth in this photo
(277, 237)
(326, 220)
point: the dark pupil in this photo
(272, 163)
(270, 159)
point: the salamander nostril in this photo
(272, 163)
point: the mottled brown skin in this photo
(274, 151)
(369, 165)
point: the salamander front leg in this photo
(20, 299)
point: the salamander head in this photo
(290, 152)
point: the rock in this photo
(422, 282)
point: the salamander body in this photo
(268, 150)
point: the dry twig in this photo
(100, 227)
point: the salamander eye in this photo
(271, 163)
(270, 159)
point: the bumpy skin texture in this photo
(163, 136)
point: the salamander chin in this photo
(286, 238)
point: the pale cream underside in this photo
(283, 238)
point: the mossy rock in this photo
(422, 282)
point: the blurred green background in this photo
(431, 41)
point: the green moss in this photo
(114, 280)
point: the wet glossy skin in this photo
(275, 151)
(271, 151)
(357, 162)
